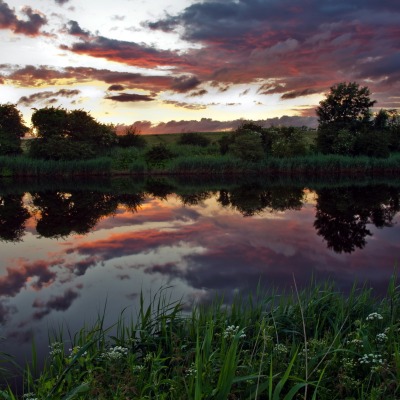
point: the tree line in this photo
(343, 216)
(346, 125)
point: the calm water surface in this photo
(67, 249)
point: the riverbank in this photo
(314, 344)
(129, 162)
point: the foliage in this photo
(286, 142)
(373, 143)
(132, 138)
(343, 142)
(67, 135)
(157, 155)
(346, 107)
(247, 145)
(12, 129)
(314, 344)
(194, 139)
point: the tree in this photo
(347, 106)
(132, 138)
(68, 135)
(12, 129)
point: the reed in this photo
(316, 344)
(24, 166)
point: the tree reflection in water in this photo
(13, 216)
(343, 214)
(252, 199)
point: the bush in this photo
(373, 144)
(157, 155)
(344, 142)
(132, 138)
(194, 139)
(57, 148)
(287, 142)
(247, 146)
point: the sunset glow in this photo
(209, 63)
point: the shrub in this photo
(157, 155)
(194, 139)
(132, 138)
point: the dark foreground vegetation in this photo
(350, 140)
(312, 344)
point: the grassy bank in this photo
(202, 161)
(313, 344)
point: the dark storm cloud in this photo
(61, 2)
(29, 26)
(129, 53)
(47, 96)
(314, 41)
(74, 29)
(201, 92)
(116, 87)
(44, 75)
(130, 97)
(298, 93)
(183, 84)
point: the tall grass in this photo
(24, 166)
(192, 160)
(314, 344)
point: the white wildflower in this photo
(56, 348)
(374, 316)
(115, 353)
(381, 337)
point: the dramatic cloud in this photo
(185, 83)
(116, 87)
(44, 75)
(129, 53)
(74, 29)
(48, 96)
(30, 27)
(17, 277)
(296, 43)
(56, 303)
(130, 97)
(61, 1)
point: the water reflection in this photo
(342, 214)
(66, 249)
(13, 216)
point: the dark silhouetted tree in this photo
(347, 107)
(343, 214)
(12, 129)
(68, 135)
(13, 216)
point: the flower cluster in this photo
(281, 348)
(356, 342)
(231, 331)
(29, 396)
(56, 348)
(115, 353)
(381, 337)
(74, 351)
(371, 359)
(191, 371)
(374, 316)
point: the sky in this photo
(182, 65)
